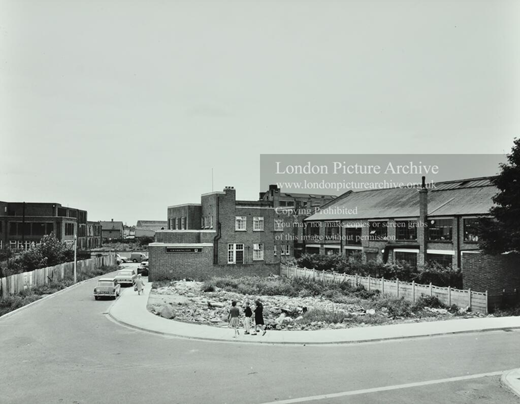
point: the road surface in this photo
(65, 350)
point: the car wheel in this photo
(96, 297)
(135, 261)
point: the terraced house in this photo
(399, 224)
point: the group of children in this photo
(234, 318)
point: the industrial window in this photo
(258, 224)
(406, 230)
(408, 257)
(50, 228)
(177, 223)
(183, 223)
(471, 230)
(283, 203)
(285, 249)
(13, 228)
(69, 229)
(258, 252)
(378, 231)
(38, 229)
(202, 222)
(331, 251)
(332, 231)
(12, 244)
(275, 250)
(312, 250)
(313, 229)
(211, 222)
(440, 229)
(278, 225)
(444, 260)
(240, 223)
(235, 253)
(353, 235)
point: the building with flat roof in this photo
(25, 223)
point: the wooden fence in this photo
(39, 277)
(476, 301)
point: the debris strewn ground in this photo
(185, 301)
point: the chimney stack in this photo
(422, 231)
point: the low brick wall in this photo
(198, 265)
(498, 274)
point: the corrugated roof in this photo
(152, 224)
(464, 197)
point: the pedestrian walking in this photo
(259, 318)
(247, 322)
(234, 321)
(139, 285)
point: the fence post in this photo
(449, 295)
(469, 293)
(413, 291)
(382, 286)
(431, 290)
(368, 283)
(397, 287)
(487, 302)
(356, 281)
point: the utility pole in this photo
(75, 253)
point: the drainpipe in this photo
(421, 229)
(218, 236)
(23, 225)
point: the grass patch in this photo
(13, 302)
(292, 287)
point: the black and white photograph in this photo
(259, 202)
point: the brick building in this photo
(25, 223)
(404, 224)
(224, 235)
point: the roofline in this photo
(184, 204)
(214, 193)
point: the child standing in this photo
(248, 313)
(233, 318)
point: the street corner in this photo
(511, 380)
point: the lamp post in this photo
(75, 254)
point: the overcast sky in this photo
(122, 108)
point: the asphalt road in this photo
(65, 350)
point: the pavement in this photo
(130, 310)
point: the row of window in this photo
(30, 228)
(206, 222)
(236, 252)
(177, 223)
(437, 230)
(258, 223)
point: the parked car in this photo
(120, 259)
(125, 277)
(138, 257)
(107, 287)
(143, 268)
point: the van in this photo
(138, 257)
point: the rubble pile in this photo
(185, 301)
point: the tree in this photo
(502, 232)
(48, 253)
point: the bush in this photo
(395, 307)
(439, 276)
(428, 301)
